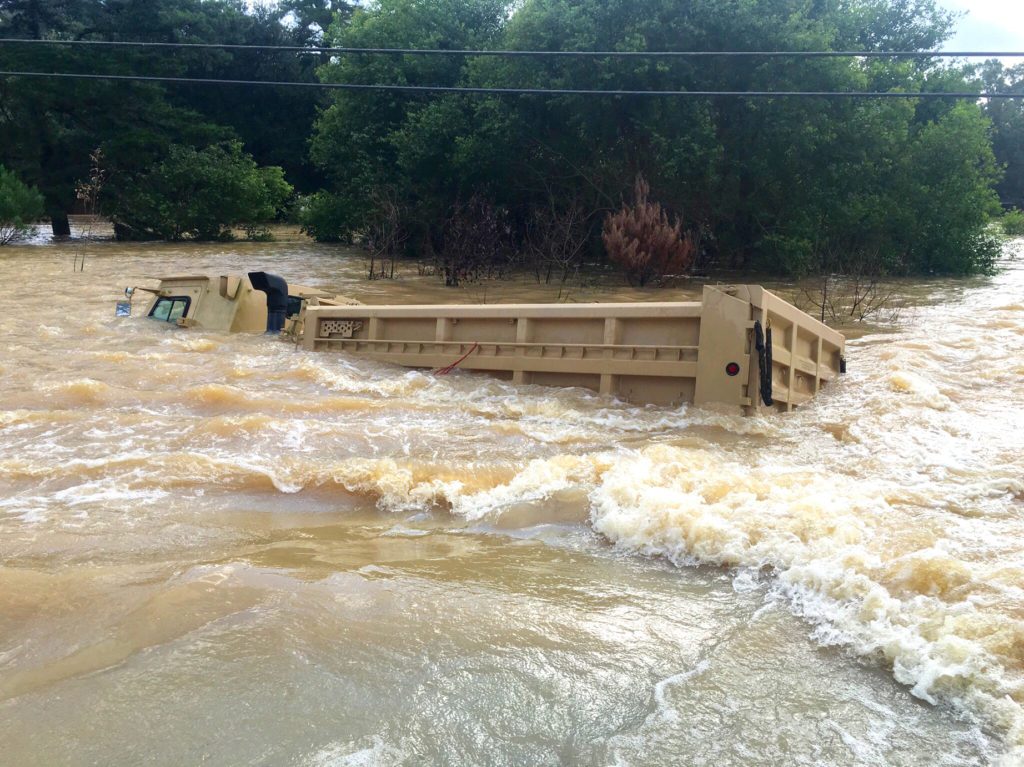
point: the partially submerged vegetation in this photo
(20, 206)
(199, 194)
(473, 186)
(1013, 223)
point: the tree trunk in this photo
(60, 224)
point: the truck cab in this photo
(254, 302)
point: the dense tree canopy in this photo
(48, 129)
(1008, 128)
(781, 185)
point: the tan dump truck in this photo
(739, 345)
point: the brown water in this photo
(229, 551)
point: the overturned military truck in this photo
(739, 345)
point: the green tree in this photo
(20, 206)
(1007, 117)
(947, 196)
(326, 217)
(199, 194)
(312, 18)
(780, 185)
(49, 128)
(360, 142)
(42, 18)
(274, 124)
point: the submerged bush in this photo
(199, 194)
(1013, 223)
(20, 206)
(325, 218)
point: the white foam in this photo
(820, 534)
(665, 710)
(377, 754)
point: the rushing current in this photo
(227, 550)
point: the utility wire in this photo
(512, 91)
(508, 53)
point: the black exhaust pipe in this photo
(277, 298)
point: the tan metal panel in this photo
(724, 324)
(663, 353)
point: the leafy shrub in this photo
(199, 194)
(789, 254)
(20, 205)
(325, 217)
(642, 241)
(1013, 223)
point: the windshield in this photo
(170, 308)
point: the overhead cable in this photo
(515, 53)
(513, 91)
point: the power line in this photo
(514, 53)
(511, 91)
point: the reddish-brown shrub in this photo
(641, 240)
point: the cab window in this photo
(170, 308)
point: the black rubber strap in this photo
(763, 343)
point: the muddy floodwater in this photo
(226, 550)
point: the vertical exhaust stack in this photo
(276, 289)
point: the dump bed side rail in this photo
(657, 353)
